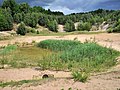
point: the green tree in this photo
(53, 26)
(69, 26)
(21, 29)
(116, 28)
(80, 26)
(14, 7)
(87, 26)
(6, 20)
(24, 7)
(18, 17)
(43, 20)
(84, 26)
(31, 19)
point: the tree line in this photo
(12, 12)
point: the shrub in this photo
(43, 20)
(21, 29)
(38, 32)
(6, 20)
(110, 30)
(69, 26)
(33, 30)
(53, 26)
(31, 19)
(84, 26)
(18, 17)
(80, 76)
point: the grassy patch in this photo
(5, 38)
(88, 57)
(58, 45)
(26, 57)
(33, 82)
(80, 76)
(16, 83)
(49, 33)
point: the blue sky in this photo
(73, 6)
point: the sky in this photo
(74, 6)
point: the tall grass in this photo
(4, 53)
(89, 57)
(58, 45)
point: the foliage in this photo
(43, 21)
(6, 20)
(80, 76)
(24, 7)
(27, 56)
(12, 5)
(90, 57)
(17, 83)
(117, 26)
(69, 26)
(58, 45)
(53, 26)
(18, 17)
(31, 19)
(32, 16)
(21, 29)
(84, 26)
(4, 53)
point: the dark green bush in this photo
(69, 26)
(21, 29)
(52, 26)
(6, 20)
(31, 19)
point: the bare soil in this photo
(104, 39)
(105, 81)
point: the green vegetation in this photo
(58, 45)
(24, 56)
(84, 26)
(31, 19)
(89, 57)
(62, 34)
(6, 20)
(16, 83)
(3, 54)
(33, 82)
(69, 26)
(53, 26)
(12, 12)
(21, 29)
(80, 76)
(80, 58)
(5, 38)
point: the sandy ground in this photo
(105, 81)
(105, 39)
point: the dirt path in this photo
(105, 81)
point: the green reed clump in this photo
(58, 45)
(91, 57)
(89, 51)
(88, 57)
